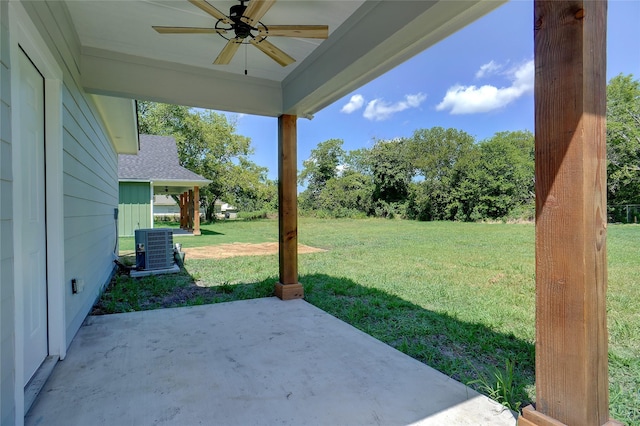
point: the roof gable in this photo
(157, 160)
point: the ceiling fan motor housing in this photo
(241, 29)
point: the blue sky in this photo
(479, 80)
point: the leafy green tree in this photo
(466, 190)
(431, 200)
(392, 170)
(208, 145)
(358, 161)
(436, 155)
(319, 168)
(500, 179)
(347, 194)
(249, 188)
(436, 151)
(623, 140)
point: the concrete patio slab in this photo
(254, 362)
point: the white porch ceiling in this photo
(125, 26)
(121, 55)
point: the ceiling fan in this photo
(243, 26)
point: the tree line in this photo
(445, 174)
(436, 174)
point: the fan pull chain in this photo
(245, 59)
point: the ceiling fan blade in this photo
(256, 10)
(273, 52)
(187, 30)
(228, 51)
(302, 31)
(202, 4)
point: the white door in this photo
(33, 229)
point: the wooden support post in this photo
(196, 210)
(571, 214)
(185, 210)
(190, 210)
(288, 287)
(182, 218)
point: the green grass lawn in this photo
(458, 296)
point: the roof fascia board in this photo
(195, 182)
(116, 74)
(402, 30)
(134, 180)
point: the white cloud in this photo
(471, 99)
(488, 69)
(355, 103)
(378, 109)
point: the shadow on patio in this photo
(260, 361)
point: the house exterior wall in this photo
(90, 197)
(90, 172)
(134, 207)
(84, 189)
(7, 348)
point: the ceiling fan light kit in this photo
(243, 26)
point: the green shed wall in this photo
(134, 207)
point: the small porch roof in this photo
(239, 363)
(157, 162)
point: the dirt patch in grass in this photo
(223, 251)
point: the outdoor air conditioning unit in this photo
(154, 249)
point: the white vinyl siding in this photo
(90, 172)
(7, 350)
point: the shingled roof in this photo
(157, 160)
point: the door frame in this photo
(25, 36)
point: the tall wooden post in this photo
(186, 210)
(571, 214)
(190, 210)
(185, 207)
(288, 287)
(196, 210)
(182, 213)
